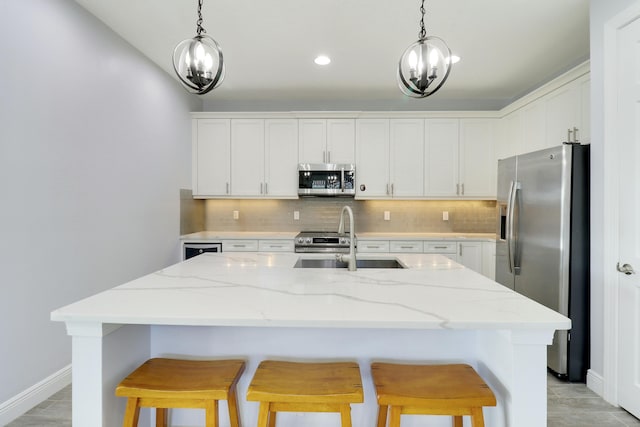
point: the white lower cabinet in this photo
(470, 255)
(240, 245)
(276, 246)
(489, 260)
(373, 246)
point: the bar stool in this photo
(305, 387)
(455, 390)
(171, 383)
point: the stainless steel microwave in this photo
(326, 179)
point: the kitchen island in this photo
(257, 306)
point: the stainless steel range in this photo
(322, 242)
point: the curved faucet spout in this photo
(351, 258)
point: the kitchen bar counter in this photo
(256, 305)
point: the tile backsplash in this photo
(419, 216)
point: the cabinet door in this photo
(489, 259)
(441, 157)
(312, 140)
(563, 111)
(512, 136)
(407, 157)
(372, 158)
(341, 135)
(281, 158)
(247, 157)
(211, 157)
(478, 165)
(470, 255)
(534, 127)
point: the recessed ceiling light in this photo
(322, 60)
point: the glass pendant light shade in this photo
(424, 67)
(199, 64)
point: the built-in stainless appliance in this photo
(326, 179)
(323, 242)
(542, 250)
(191, 249)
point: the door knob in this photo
(625, 268)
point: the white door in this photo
(478, 165)
(441, 158)
(247, 157)
(312, 140)
(407, 157)
(281, 158)
(341, 141)
(629, 218)
(372, 158)
(211, 157)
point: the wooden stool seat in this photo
(454, 390)
(171, 383)
(305, 387)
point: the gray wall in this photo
(600, 12)
(94, 148)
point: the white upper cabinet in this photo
(211, 157)
(564, 114)
(406, 158)
(281, 158)
(441, 157)
(326, 140)
(478, 165)
(460, 158)
(264, 155)
(372, 158)
(247, 157)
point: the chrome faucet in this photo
(351, 257)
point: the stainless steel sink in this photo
(360, 263)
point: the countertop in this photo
(221, 235)
(263, 289)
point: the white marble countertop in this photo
(220, 235)
(263, 289)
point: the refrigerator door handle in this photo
(515, 220)
(509, 226)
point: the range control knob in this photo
(300, 240)
(308, 240)
(344, 241)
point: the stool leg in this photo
(263, 414)
(234, 414)
(211, 413)
(394, 416)
(132, 413)
(161, 417)
(272, 418)
(345, 415)
(477, 419)
(382, 416)
(457, 421)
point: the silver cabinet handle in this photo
(227, 188)
(462, 186)
(392, 189)
(266, 188)
(328, 156)
(439, 247)
(373, 246)
(239, 246)
(387, 188)
(457, 189)
(575, 134)
(569, 132)
(407, 247)
(625, 268)
(261, 184)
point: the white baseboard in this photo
(24, 401)
(595, 382)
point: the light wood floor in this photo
(570, 405)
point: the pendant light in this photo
(424, 66)
(198, 61)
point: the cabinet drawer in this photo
(275, 246)
(440, 247)
(406, 246)
(373, 246)
(239, 245)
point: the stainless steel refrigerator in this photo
(542, 249)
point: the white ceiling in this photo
(508, 47)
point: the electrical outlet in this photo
(445, 216)
(236, 214)
(296, 215)
(387, 216)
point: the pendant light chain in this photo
(423, 33)
(200, 29)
